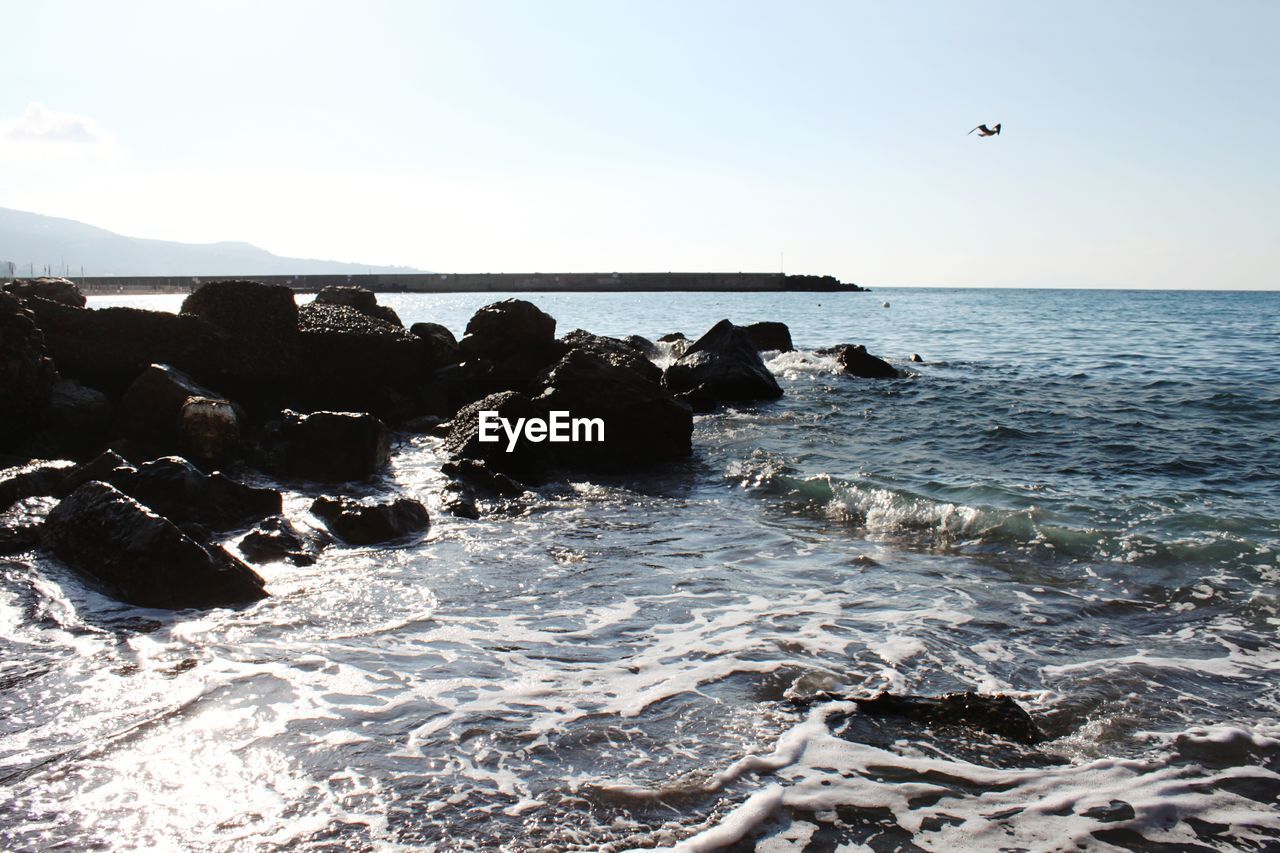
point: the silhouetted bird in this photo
(983, 130)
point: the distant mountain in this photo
(30, 239)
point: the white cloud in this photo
(39, 124)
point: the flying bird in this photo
(983, 130)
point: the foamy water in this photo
(1073, 501)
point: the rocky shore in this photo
(129, 435)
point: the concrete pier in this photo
(612, 282)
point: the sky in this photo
(1139, 144)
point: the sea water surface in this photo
(1074, 500)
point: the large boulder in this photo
(722, 366)
(276, 539)
(142, 558)
(60, 290)
(642, 422)
(509, 328)
(181, 492)
(360, 298)
(260, 322)
(354, 361)
(327, 447)
(358, 523)
(527, 461)
(856, 361)
(27, 373)
(770, 337)
(101, 467)
(107, 348)
(151, 409)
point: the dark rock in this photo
(441, 345)
(75, 409)
(642, 345)
(141, 558)
(260, 322)
(60, 290)
(181, 492)
(102, 467)
(151, 410)
(462, 506)
(527, 462)
(915, 357)
(38, 477)
(210, 429)
(723, 365)
(326, 318)
(357, 362)
(614, 351)
(856, 361)
(275, 539)
(20, 524)
(672, 337)
(475, 474)
(327, 447)
(509, 328)
(995, 714)
(367, 524)
(360, 298)
(643, 423)
(107, 348)
(770, 337)
(27, 373)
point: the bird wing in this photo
(976, 128)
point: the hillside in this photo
(30, 240)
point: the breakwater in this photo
(611, 282)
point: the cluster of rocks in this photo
(153, 405)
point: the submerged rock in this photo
(182, 493)
(475, 474)
(722, 366)
(770, 337)
(359, 523)
(995, 714)
(327, 447)
(142, 558)
(276, 539)
(856, 361)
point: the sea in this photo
(1073, 500)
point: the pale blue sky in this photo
(1139, 145)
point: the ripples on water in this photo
(1074, 501)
